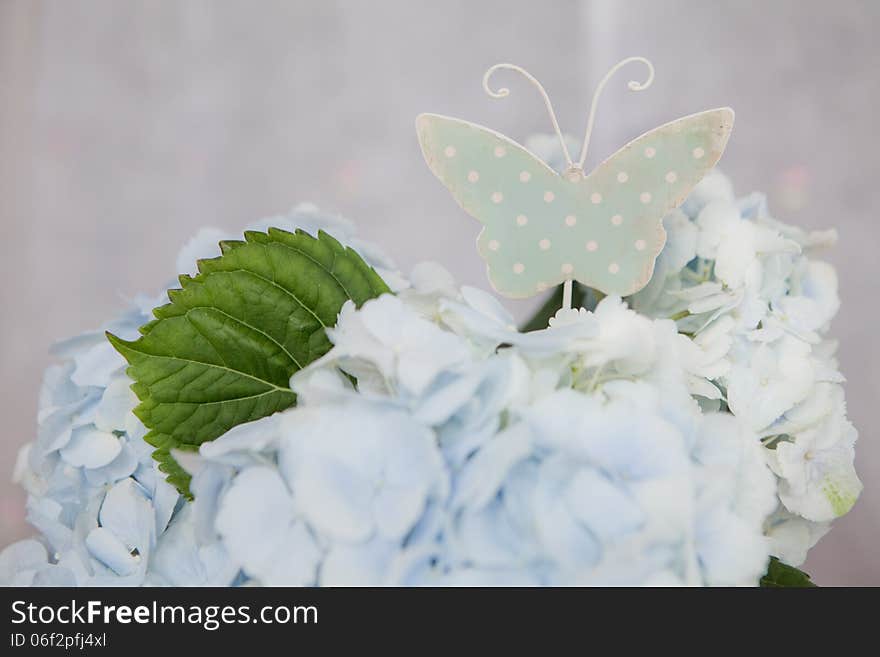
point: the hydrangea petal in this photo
(91, 448)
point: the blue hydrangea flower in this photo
(677, 437)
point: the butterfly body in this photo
(541, 228)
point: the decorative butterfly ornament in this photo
(542, 228)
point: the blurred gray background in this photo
(125, 126)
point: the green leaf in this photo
(223, 351)
(781, 575)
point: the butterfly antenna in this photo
(503, 92)
(633, 85)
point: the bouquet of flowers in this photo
(298, 412)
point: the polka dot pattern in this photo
(542, 227)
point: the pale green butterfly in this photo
(541, 228)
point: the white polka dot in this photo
(494, 245)
(544, 244)
(549, 196)
(613, 268)
(500, 151)
(640, 245)
(570, 220)
(540, 287)
(698, 153)
(449, 151)
(473, 176)
(671, 177)
(622, 177)
(650, 152)
(525, 176)
(567, 268)
(617, 220)
(592, 245)
(595, 198)
(497, 197)
(519, 268)
(522, 220)
(645, 197)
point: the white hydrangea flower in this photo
(265, 539)
(791, 536)
(766, 380)
(372, 473)
(389, 347)
(758, 305)
(504, 519)
(815, 466)
(736, 496)
(677, 437)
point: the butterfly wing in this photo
(628, 195)
(541, 229)
(504, 187)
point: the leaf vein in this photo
(243, 323)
